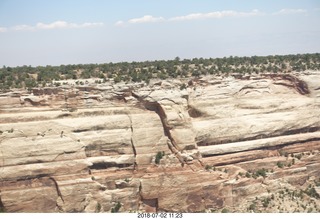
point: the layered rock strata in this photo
(221, 143)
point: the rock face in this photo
(221, 143)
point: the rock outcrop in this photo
(221, 143)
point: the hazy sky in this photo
(43, 32)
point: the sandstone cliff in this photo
(221, 143)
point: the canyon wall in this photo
(220, 143)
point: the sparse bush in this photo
(279, 164)
(159, 156)
(312, 192)
(57, 84)
(98, 207)
(225, 210)
(2, 209)
(72, 109)
(281, 153)
(298, 156)
(261, 172)
(183, 86)
(252, 207)
(208, 167)
(265, 202)
(116, 208)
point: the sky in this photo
(47, 32)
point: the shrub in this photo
(208, 167)
(252, 207)
(225, 210)
(281, 153)
(298, 156)
(72, 109)
(261, 172)
(98, 207)
(159, 156)
(312, 192)
(279, 164)
(183, 86)
(265, 202)
(116, 208)
(2, 210)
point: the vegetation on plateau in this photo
(41, 76)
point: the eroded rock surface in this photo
(221, 143)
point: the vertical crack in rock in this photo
(135, 165)
(57, 188)
(157, 108)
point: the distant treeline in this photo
(28, 77)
